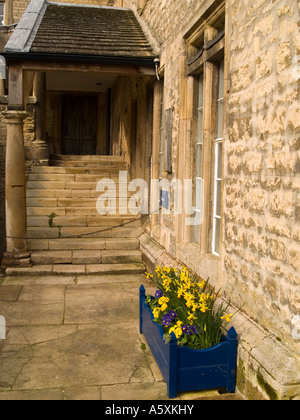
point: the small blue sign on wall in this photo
(164, 199)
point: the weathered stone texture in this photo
(262, 164)
(19, 6)
(2, 179)
(259, 263)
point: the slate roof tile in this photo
(74, 29)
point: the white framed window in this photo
(1, 13)
(218, 164)
(161, 151)
(195, 231)
(161, 144)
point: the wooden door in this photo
(79, 125)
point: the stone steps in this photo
(81, 177)
(80, 241)
(42, 220)
(90, 256)
(126, 244)
(76, 269)
(116, 162)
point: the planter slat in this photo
(185, 369)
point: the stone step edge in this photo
(74, 269)
(84, 244)
(86, 257)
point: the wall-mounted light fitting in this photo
(157, 63)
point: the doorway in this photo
(79, 128)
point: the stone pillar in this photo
(8, 13)
(15, 192)
(40, 150)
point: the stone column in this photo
(15, 192)
(40, 150)
(8, 13)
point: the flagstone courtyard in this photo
(77, 337)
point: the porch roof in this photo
(57, 31)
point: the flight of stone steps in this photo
(66, 234)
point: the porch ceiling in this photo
(79, 81)
(79, 33)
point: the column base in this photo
(39, 152)
(17, 259)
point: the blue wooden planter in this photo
(185, 369)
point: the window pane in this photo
(200, 93)
(161, 146)
(199, 160)
(218, 198)
(216, 239)
(220, 108)
(218, 163)
(200, 126)
(221, 80)
(220, 119)
(1, 14)
(219, 148)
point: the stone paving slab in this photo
(76, 338)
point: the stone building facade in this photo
(258, 261)
(223, 110)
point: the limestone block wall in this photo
(19, 6)
(259, 260)
(166, 21)
(261, 247)
(2, 178)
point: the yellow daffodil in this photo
(191, 317)
(203, 308)
(180, 292)
(177, 329)
(163, 301)
(202, 284)
(227, 317)
(156, 312)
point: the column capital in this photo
(14, 116)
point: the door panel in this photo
(79, 125)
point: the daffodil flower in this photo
(227, 317)
(177, 329)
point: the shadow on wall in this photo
(2, 208)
